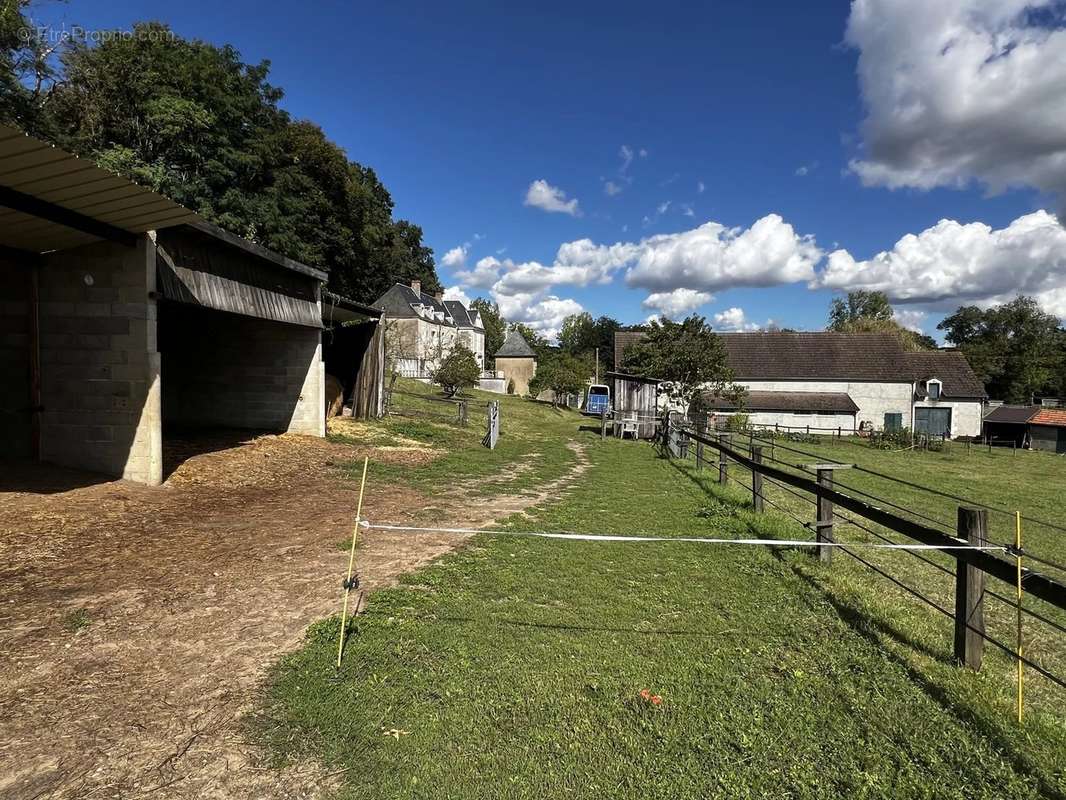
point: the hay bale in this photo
(334, 396)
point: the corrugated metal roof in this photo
(47, 173)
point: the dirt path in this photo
(186, 593)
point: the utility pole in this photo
(597, 365)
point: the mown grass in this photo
(1032, 482)
(532, 448)
(514, 668)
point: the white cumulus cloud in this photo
(455, 258)
(712, 257)
(677, 303)
(958, 91)
(543, 313)
(952, 263)
(552, 199)
(456, 293)
(734, 319)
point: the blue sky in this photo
(720, 112)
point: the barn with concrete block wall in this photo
(124, 317)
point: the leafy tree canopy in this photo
(196, 123)
(688, 358)
(457, 370)
(870, 312)
(495, 325)
(1017, 349)
(581, 335)
(560, 372)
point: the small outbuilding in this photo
(1047, 430)
(635, 399)
(353, 350)
(125, 317)
(516, 362)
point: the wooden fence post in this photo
(603, 423)
(970, 591)
(823, 523)
(462, 413)
(701, 430)
(723, 462)
(756, 480)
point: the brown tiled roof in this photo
(1050, 416)
(830, 402)
(622, 340)
(814, 356)
(1015, 415)
(826, 355)
(951, 367)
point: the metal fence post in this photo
(756, 480)
(723, 462)
(824, 516)
(970, 591)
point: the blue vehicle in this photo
(598, 400)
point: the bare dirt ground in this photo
(136, 623)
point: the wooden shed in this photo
(635, 397)
(353, 349)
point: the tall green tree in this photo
(581, 335)
(196, 123)
(870, 312)
(859, 305)
(1016, 349)
(495, 325)
(560, 372)
(688, 358)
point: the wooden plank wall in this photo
(369, 392)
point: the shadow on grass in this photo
(872, 629)
(549, 626)
(869, 628)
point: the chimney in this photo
(439, 296)
(416, 287)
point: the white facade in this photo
(875, 400)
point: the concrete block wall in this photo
(14, 361)
(232, 371)
(99, 364)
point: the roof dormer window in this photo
(933, 388)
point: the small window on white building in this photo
(932, 388)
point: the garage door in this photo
(934, 421)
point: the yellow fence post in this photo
(351, 565)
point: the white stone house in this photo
(841, 381)
(422, 329)
(471, 329)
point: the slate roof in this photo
(1012, 415)
(464, 317)
(399, 301)
(829, 402)
(515, 346)
(830, 356)
(1050, 416)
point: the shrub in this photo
(510, 386)
(457, 370)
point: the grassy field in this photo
(1031, 482)
(516, 666)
